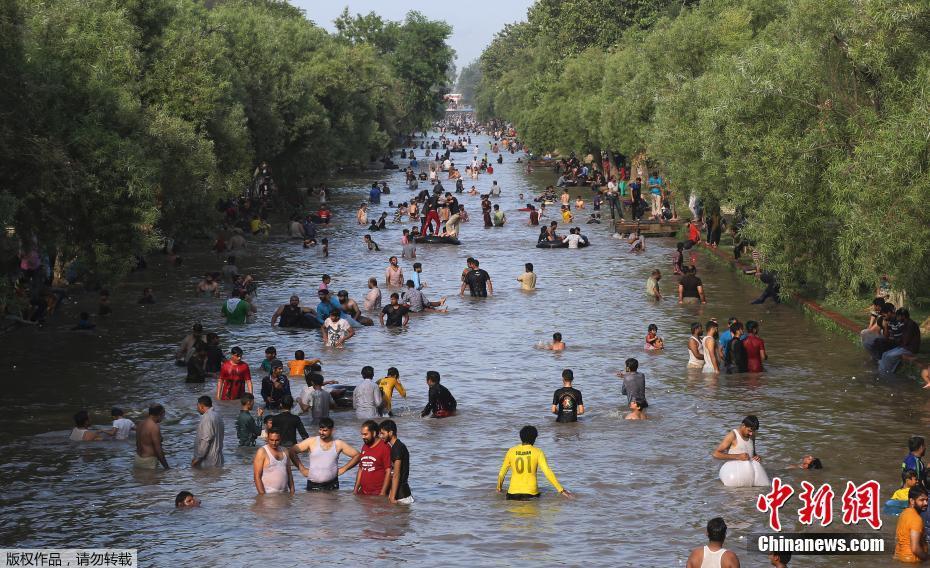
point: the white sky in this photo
(474, 22)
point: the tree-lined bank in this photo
(124, 122)
(809, 118)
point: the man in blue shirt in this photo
(655, 188)
(326, 306)
(725, 339)
(917, 448)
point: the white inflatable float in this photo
(743, 474)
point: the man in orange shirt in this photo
(910, 544)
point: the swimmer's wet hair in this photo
(432, 376)
(393, 372)
(81, 417)
(528, 434)
(246, 398)
(181, 497)
(631, 364)
(557, 336)
(716, 529)
(568, 375)
(817, 464)
(751, 421)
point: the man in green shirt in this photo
(248, 428)
(235, 309)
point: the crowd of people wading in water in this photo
(441, 172)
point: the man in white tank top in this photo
(713, 554)
(270, 468)
(324, 471)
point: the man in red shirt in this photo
(235, 377)
(755, 348)
(374, 466)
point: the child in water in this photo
(653, 341)
(556, 345)
(638, 409)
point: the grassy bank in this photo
(846, 320)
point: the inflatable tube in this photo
(894, 507)
(434, 240)
(557, 245)
(744, 474)
(342, 395)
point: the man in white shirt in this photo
(572, 238)
(122, 426)
(367, 396)
(336, 330)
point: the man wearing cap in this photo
(275, 386)
(235, 378)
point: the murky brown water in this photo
(644, 490)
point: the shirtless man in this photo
(324, 471)
(350, 307)
(209, 286)
(237, 241)
(556, 345)
(149, 452)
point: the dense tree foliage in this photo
(810, 116)
(467, 83)
(125, 121)
(418, 54)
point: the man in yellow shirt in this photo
(524, 460)
(388, 384)
(910, 545)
